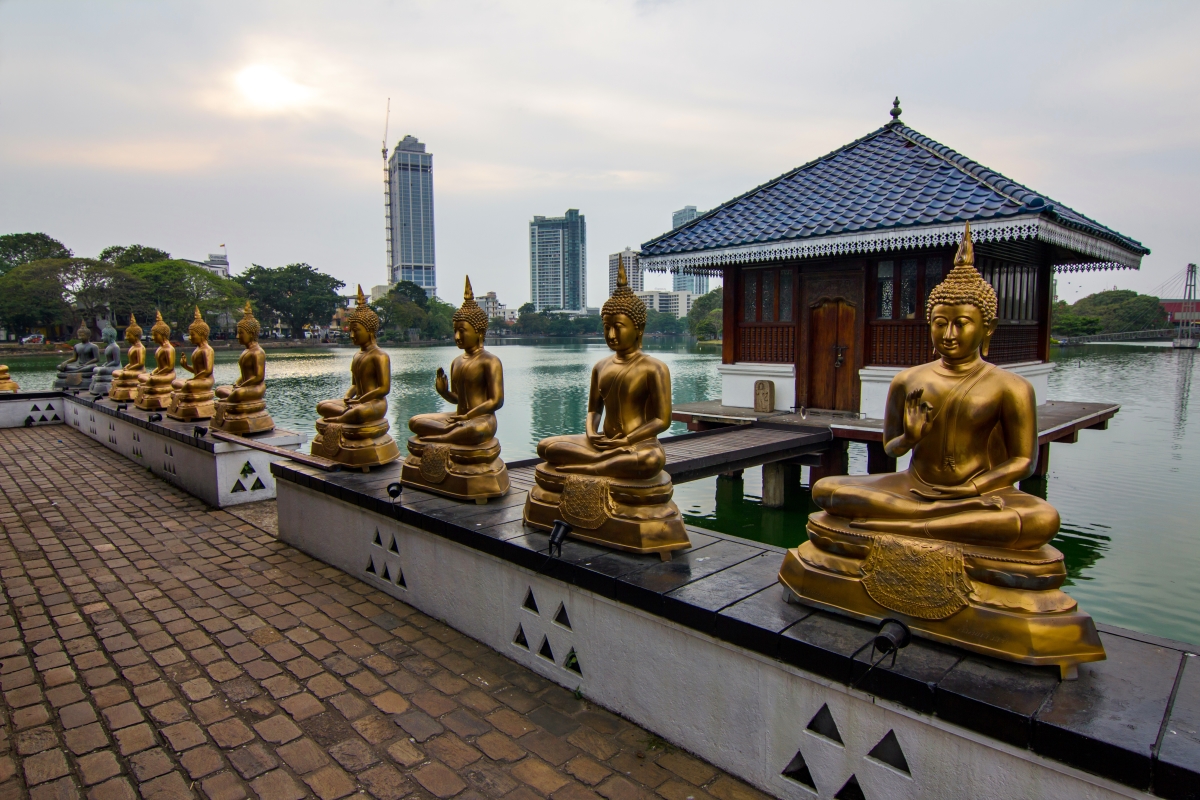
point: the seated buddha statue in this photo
(7, 384)
(192, 398)
(457, 454)
(76, 371)
(125, 380)
(608, 483)
(102, 375)
(154, 388)
(950, 546)
(354, 430)
(240, 406)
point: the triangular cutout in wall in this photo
(519, 640)
(561, 616)
(850, 791)
(544, 651)
(530, 603)
(797, 770)
(824, 725)
(888, 751)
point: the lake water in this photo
(1129, 496)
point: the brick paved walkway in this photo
(150, 645)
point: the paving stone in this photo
(201, 761)
(302, 706)
(85, 739)
(62, 789)
(150, 764)
(405, 753)
(98, 767)
(277, 785)
(122, 716)
(351, 706)
(135, 739)
(303, 755)
(587, 770)
(418, 725)
(539, 775)
(511, 723)
(330, 783)
(548, 746)
(171, 786)
(452, 751)
(439, 780)
(224, 786)
(385, 783)
(353, 754)
(112, 789)
(278, 729)
(390, 702)
(252, 761)
(36, 740)
(184, 735)
(230, 733)
(45, 766)
(375, 728)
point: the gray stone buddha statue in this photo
(76, 371)
(102, 376)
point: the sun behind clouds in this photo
(264, 88)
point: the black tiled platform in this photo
(1134, 718)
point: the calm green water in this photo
(1129, 497)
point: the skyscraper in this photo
(558, 262)
(633, 270)
(696, 284)
(410, 175)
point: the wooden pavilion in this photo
(826, 268)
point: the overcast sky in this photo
(185, 125)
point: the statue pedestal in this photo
(355, 445)
(124, 385)
(463, 472)
(997, 602)
(242, 418)
(634, 515)
(188, 406)
(153, 392)
(102, 380)
(74, 379)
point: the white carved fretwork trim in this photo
(1108, 255)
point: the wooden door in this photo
(831, 327)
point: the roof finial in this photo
(896, 110)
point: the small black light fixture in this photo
(122, 406)
(155, 417)
(199, 431)
(557, 534)
(394, 489)
(892, 637)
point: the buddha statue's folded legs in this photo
(440, 428)
(575, 454)
(886, 503)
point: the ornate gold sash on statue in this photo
(918, 577)
(434, 462)
(585, 502)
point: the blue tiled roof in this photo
(892, 178)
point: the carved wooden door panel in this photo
(831, 350)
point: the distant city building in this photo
(696, 284)
(683, 216)
(217, 264)
(491, 305)
(379, 292)
(677, 303)
(511, 314)
(633, 270)
(558, 262)
(410, 193)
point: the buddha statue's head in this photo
(248, 327)
(198, 331)
(161, 330)
(109, 334)
(624, 316)
(364, 323)
(84, 334)
(133, 333)
(470, 321)
(962, 309)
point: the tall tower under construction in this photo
(410, 195)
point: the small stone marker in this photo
(764, 396)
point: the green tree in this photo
(411, 292)
(120, 256)
(439, 317)
(175, 288)
(90, 287)
(23, 248)
(31, 296)
(662, 322)
(704, 319)
(1122, 310)
(297, 293)
(1065, 322)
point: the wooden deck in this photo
(1058, 420)
(693, 456)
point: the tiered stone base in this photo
(1001, 603)
(124, 387)
(74, 380)
(102, 380)
(189, 406)
(460, 471)
(152, 398)
(242, 418)
(355, 445)
(634, 515)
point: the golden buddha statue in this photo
(125, 381)
(354, 430)
(608, 483)
(7, 384)
(458, 454)
(240, 407)
(76, 371)
(950, 546)
(154, 388)
(192, 398)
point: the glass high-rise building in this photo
(696, 284)
(558, 262)
(410, 177)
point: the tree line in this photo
(44, 285)
(1114, 311)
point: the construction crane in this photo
(1187, 318)
(387, 192)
